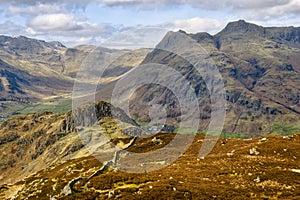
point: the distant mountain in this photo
(289, 36)
(23, 46)
(242, 30)
(31, 69)
(260, 68)
(22, 86)
(259, 65)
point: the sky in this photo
(133, 23)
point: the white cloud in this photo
(67, 25)
(81, 41)
(148, 37)
(68, 28)
(136, 37)
(282, 11)
(255, 4)
(63, 18)
(247, 9)
(34, 2)
(50, 22)
(196, 25)
(293, 7)
(34, 9)
(208, 4)
(260, 10)
(30, 31)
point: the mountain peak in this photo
(244, 27)
(28, 43)
(182, 31)
(57, 44)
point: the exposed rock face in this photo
(289, 36)
(242, 27)
(259, 68)
(29, 69)
(33, 142)
(87, 115)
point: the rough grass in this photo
(239, 175)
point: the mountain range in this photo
(259, 67)
(53, 154)
(33, 69)
(39, 76)
(260, 70)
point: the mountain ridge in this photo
(287, 35)
(260, 73)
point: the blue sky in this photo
(128, 22)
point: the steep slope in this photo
(259, 68)
(265, 67)
(20, 85)
(29, 143)
(54, 61)
(45, 156)
(38, 57)
(35, 73)
(121, 60)
(30, 69)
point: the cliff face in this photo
(242, 30)
(259, 67)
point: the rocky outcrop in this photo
(88, 114)
(31, 142)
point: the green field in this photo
(9, 109)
